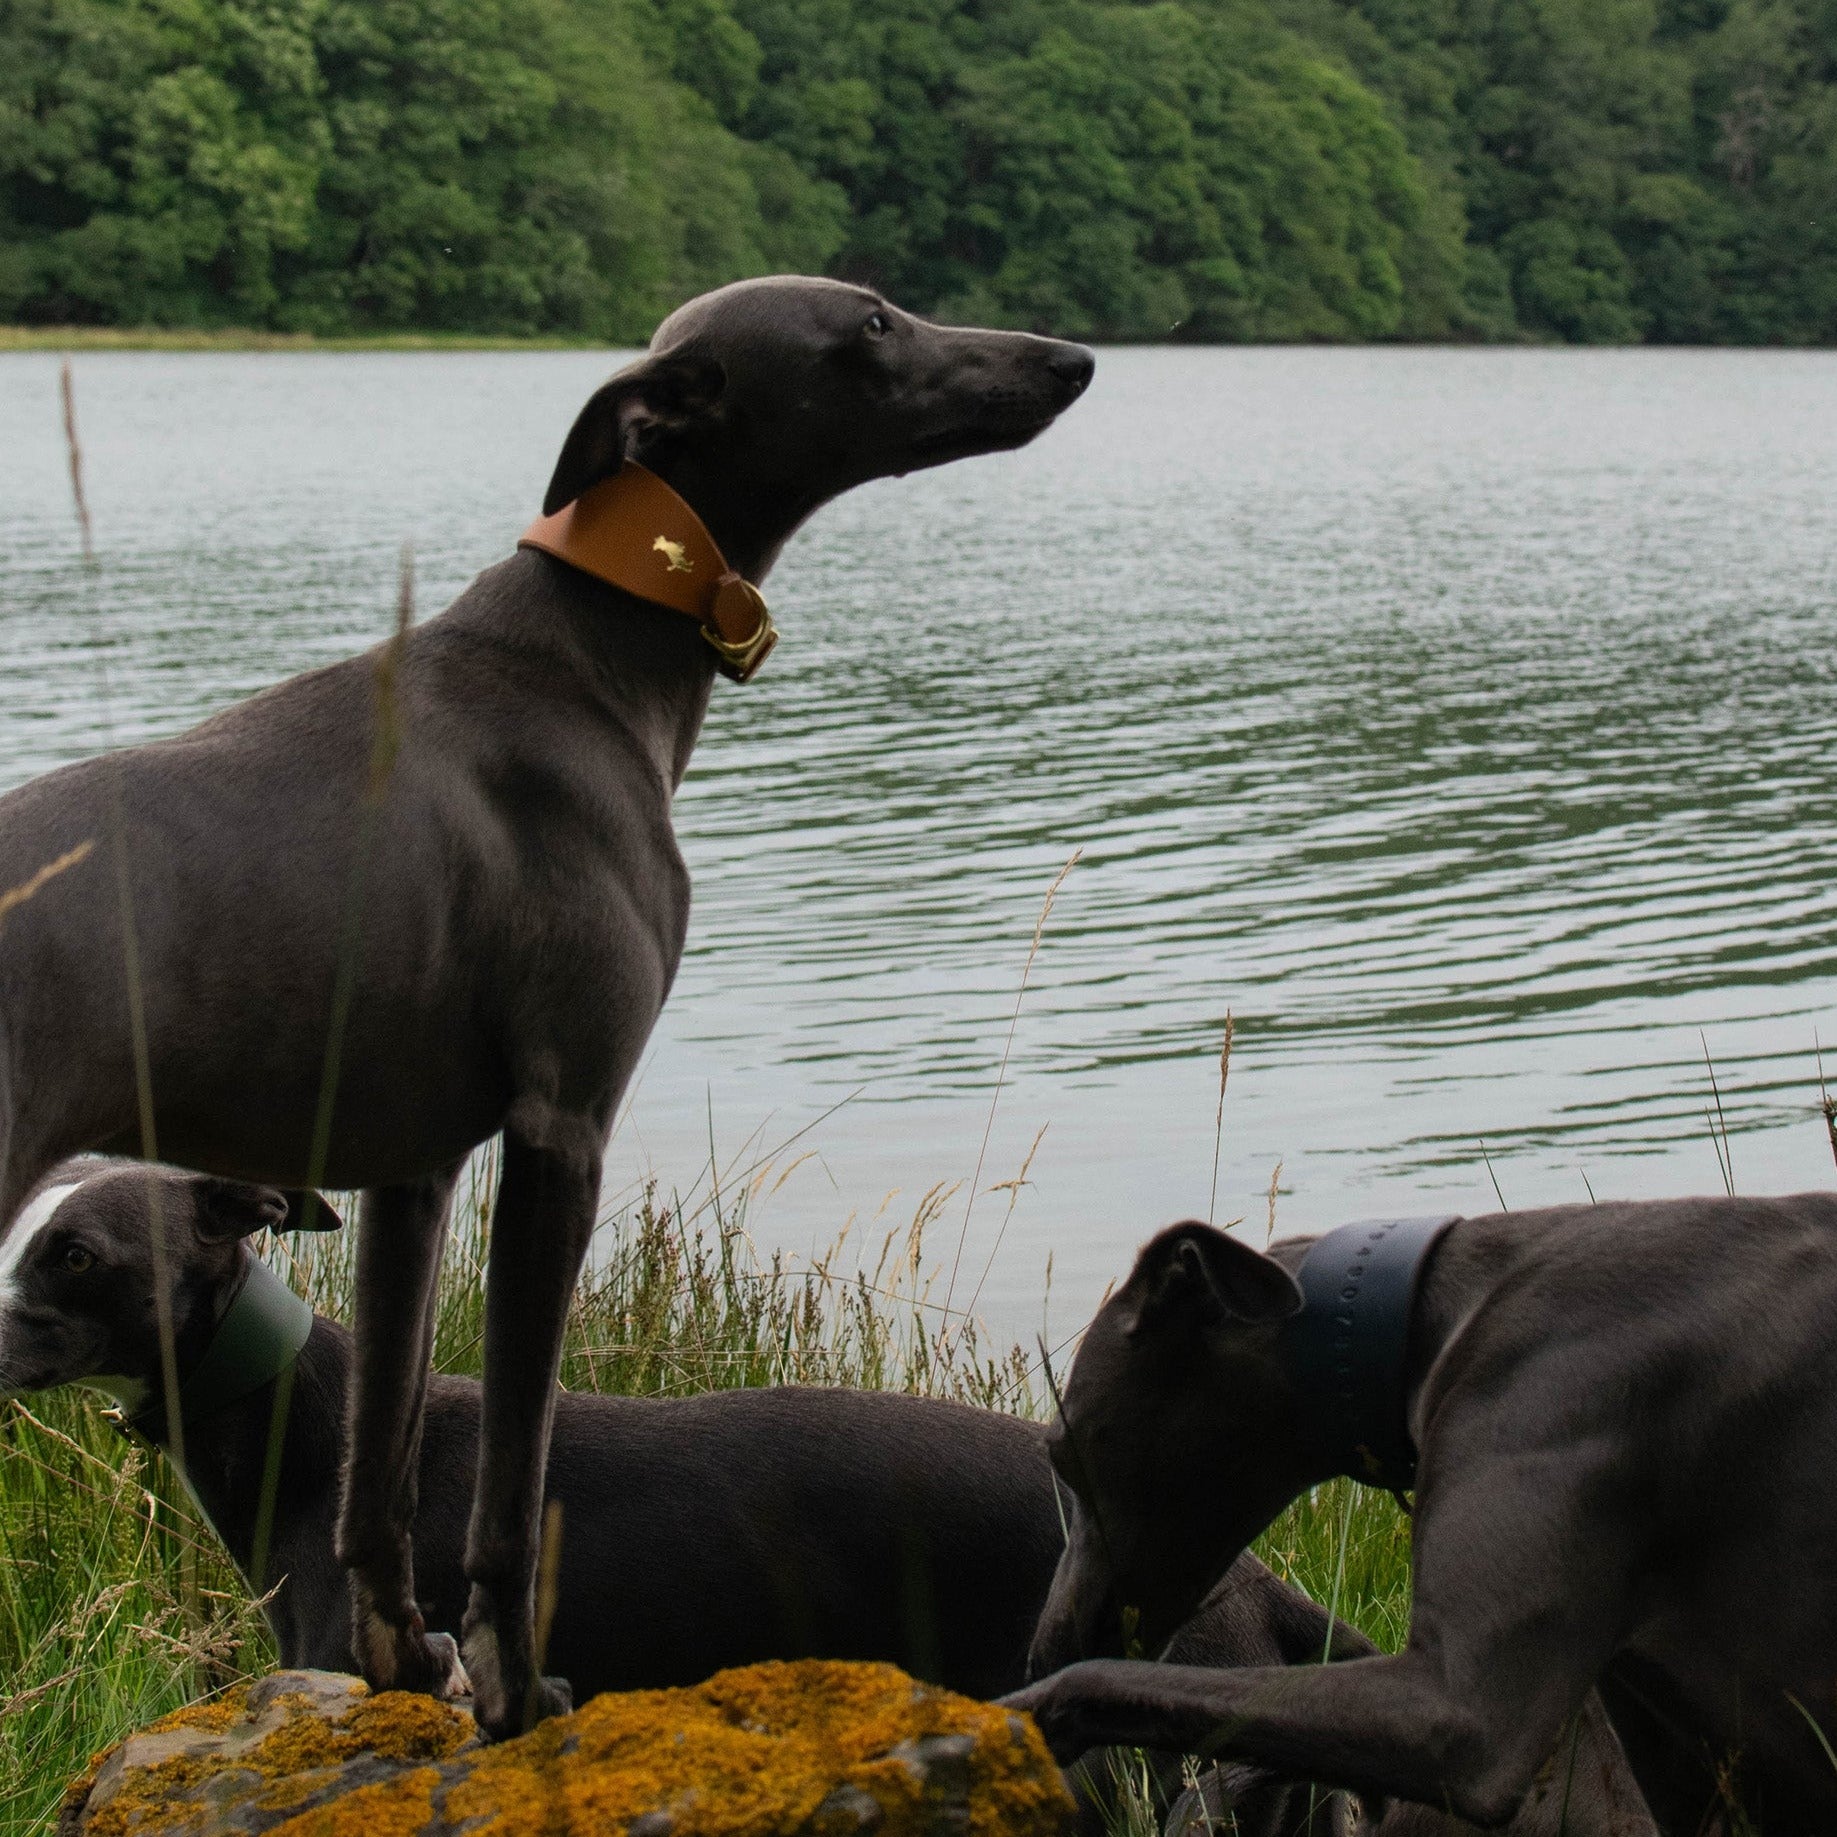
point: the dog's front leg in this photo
(401, 1236)
(547, 1201)
(1388, 1727)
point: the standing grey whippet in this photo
(1626, 1417)
(523, 901)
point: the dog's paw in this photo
(429, 1664)
(408, 1657)
(506, 1704)
(1055, 1716)
(511, 1715)
(443, 1655)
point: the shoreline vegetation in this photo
(1222, 171)
(77, 338)
(117, 1605)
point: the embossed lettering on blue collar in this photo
(1345, 1350)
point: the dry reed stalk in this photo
(1718, 1125)
(1013, 1189)
(1218, 1123)
(385, 749)
(1826, 1102)
(136, 988)
(1020, 995)
(33, 884)
(548, 1593)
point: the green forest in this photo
(1210, 170)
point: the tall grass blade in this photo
(1218, 1123)
(1718, 1124)
(131, 965)
(1001, 1074)
(1826, 1102)
(1493, 1177)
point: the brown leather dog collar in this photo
(633, 531)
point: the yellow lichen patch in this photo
(212, 1718)
(285, 1794)
(753, 1753)
(399, 1725)
(150, 1795)
(391, 1808)
(394, 1726)
(287, 1764)
(814, 1748)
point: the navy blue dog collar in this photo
(1344, 1352)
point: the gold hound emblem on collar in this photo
(672, 552)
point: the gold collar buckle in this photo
(740, 658)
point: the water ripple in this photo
(1463, 721)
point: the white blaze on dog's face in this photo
(76, 1271)
(45, 1257)
(76, 1280)
(17, 1243)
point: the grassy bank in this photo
(155, 338)
(116, 1605)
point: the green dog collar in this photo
(259, 1337)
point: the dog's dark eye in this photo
(877, 325)
(77, 1258)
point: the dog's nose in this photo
(1074, 366)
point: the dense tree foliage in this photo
(1215, 169)
(505, 165)
(1664, 169)
(1109, 169)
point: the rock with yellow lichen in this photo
(814, 1749)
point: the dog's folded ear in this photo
(230, 1208)
(308, 1211)
(1206, 1277)
(656, 395)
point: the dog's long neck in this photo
(648, 667)
(751, 518)
(645, 669)
(1465, 1265)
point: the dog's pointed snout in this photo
(1074, 366)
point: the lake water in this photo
(1463, 722)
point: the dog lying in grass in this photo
(696, 1532)
(1624, 1417)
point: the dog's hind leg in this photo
(401, 1236)
(547, 1202)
